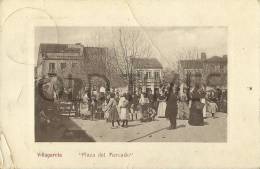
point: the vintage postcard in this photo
(125, 84)
(130, 84)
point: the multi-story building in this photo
(148, 74)
(212, 70)
(70, 61)
(62, 59)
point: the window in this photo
(139, 74)
(51, 67)
(217, 67)
(156, 75)
(148, 75)
(222, 66)
(63, 66)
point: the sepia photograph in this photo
(131, 84)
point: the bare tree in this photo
(118, 60)
(127, 46)
(188, 53)
(191, 53)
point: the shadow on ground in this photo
(60, 133)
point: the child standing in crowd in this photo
(123, 106)
(212, 105)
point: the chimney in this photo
(224, 56)
(203, 56)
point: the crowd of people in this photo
(117, 107)
(173, 101)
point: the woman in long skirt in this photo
(196, 110)
(111, 109)
(162, 105)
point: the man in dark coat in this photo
(172, 108)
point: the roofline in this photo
(159, 65)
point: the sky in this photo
(167, 43)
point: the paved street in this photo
(214, 130)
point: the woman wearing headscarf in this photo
(172, 108)
(196, 110)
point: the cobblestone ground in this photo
(214, 130)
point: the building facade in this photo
(148, 74)
(70, 61)
(62, 59)
(212, 70)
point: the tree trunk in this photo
(130, 85)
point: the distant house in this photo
(148, 74)
(213, 70)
